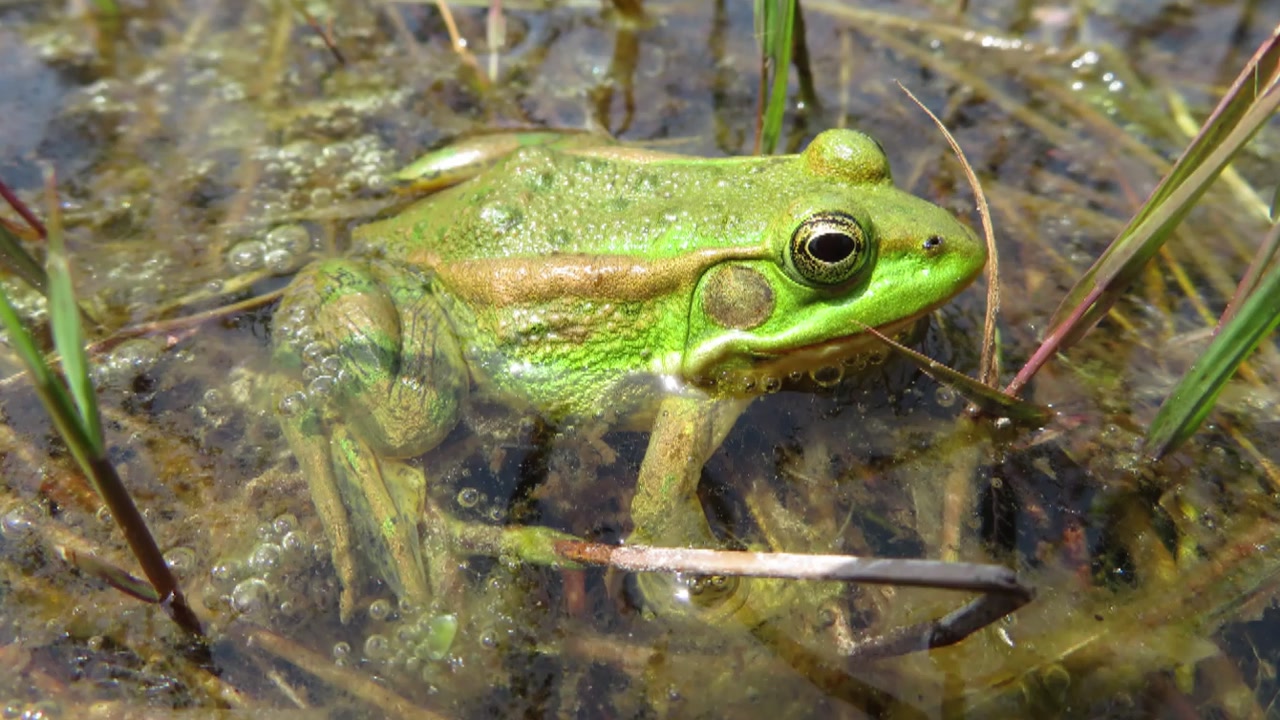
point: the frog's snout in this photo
(957, 247)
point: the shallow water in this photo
(183, 136)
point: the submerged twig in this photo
(976, 577)
(358, 684)
(1002, 591)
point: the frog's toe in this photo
(528, 543)
(705, 598)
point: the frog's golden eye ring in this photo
(828, 249)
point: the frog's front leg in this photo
(665, 509)
(385, 380)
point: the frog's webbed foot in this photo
(386, 380)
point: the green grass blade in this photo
(16, 258)
(78, 422)
(1249, 283)
(68, 337)
(775, 23)
(1194, 396)
(53, 394)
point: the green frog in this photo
(573, 279)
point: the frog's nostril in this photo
(933, 243)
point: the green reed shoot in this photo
(71, 402)
(775, 27)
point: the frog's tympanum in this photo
(572, 279)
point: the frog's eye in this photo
(828, 249)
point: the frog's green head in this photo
(844, 250)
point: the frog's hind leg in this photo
(386, 381)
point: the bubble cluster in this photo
(282, 250)
(321, 366)
(118, 370)
(263, 582)
(138, 283)
(308, 174)
(411, 641)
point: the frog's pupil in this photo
(832, 247)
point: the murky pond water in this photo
(205, 153)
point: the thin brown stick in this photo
(989, 369)
(326, 34)
(21, 208)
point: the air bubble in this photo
(246, 255)
(380, 610)
(314, 353)
(293, 403)
(18, 521)
(468, 497)
(280, 261)
(251, 596)
(320, 386)
(294, 543)
(224, 574)
(827, 376)
(376, 647)
(292, 239)
(180, 559)
(945, 396)
(265, 557)
(285, 524)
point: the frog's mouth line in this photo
(834, 352)
(824, 363)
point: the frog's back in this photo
(541, 201)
